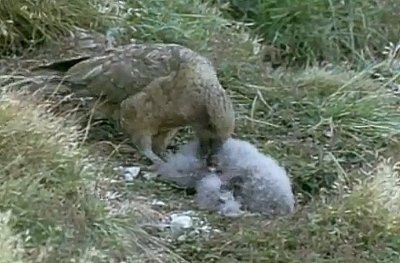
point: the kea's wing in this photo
(124, 72)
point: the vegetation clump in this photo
(311, 31)
(361, 225)
(50, 202)
(26, 23)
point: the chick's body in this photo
(152, 90)
(257, 181)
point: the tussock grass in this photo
(321, 123)
(26, 22)
(10, 244)
(311, 30)
(192, 23)
(48, 183)
(358, 226)
(187, 22)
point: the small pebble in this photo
(180, 224)
(129, 173)
(157, 205)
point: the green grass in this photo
(351, 30)
(24, 22)
(358, 226)
(51, 185)
(10, 243)
(322, 124)
(327, 125)
(191, 23)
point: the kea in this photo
(151, 91)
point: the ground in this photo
(318, 93)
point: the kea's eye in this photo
(211, 127)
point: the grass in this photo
(323, 124)
(358, 226)
(25, 23)
(10, 243)
(353, 30)
(50, 193)
(328, 125)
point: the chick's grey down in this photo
(258, 183)
(152, 90)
